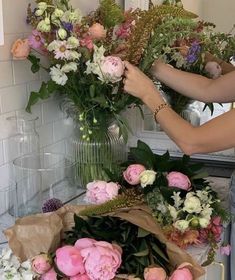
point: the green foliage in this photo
(140, 248)
(35, 63)
(111, 13)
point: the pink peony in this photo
(36, 40)
(80, 277)
(155, 273)
(50, 275)
(41, 263)
(178, 180)
(97, 31)
(132, 173)
(213, 69)
(69, 261)
(225, 250)
(101, 259)
(20, 49)
(100, 191)
(182, 272)
(112, 68)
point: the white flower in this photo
(162, 208)
(192, 204)
(73, 42)
(173, 212)
(42, 6)
(147, 177)
(43, 26)
(58, 13)
(177, 199)
(59, 77)
(94, 65)
(73, 55)
(39, 13)
(71, 66)
(181, 225)
(62, 33)
(72, 16)
(204, 222)
(206, 211)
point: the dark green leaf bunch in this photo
(140, 248)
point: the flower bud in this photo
(62, 33)
(41, 263)
(194, 223)
(47, 20)
(43, 26)
(81, 128)
(39, 13)
(42, 6)
(58, 13)
(94, 120)
(73, 42)
(90, 132)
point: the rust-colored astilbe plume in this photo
(182, 239)
(145, 24)
(127, 199)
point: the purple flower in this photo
(67, 26)
(36, 40)
(193, 52)
(51, 205)
(225, 250)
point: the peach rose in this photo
(154, 273)
(97, 31)
(20, 49)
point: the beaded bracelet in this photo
(159, 108)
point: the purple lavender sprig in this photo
(51, 205)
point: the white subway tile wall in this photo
(16, 83)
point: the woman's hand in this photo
(137, 83)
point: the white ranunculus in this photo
(173, 212)
(71, 66)
(73, 42)
(192, 204)
(147, 177)
(204, 222)
(59, 77)
(181, 225)
(62, 33)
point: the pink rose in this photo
(132, 173)
(225, 250)
(97, 31)
(20, 49)
(41, 263)
(69, 261)
(183, 272)
(50, 275)
(154, 273)
(178, 180)
(101, 259)
(213, 69)
(100, 191)
(112, 68)
(87, 42)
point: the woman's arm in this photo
(217, 134)
(196, 86)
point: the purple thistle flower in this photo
(67, 26)
(193, 52)
(51, 205)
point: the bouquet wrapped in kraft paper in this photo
(32, 235)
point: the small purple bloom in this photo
(51, 205)
(67, 26)
(225, 250)
(193, 52)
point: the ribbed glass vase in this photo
(105, 150)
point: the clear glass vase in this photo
(23, 138)
(191, 114)
(106, 151)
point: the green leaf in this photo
(92, 90)
(142, 253)
(159, 251)
(33, 99)
(142, 232)
(35, 63)
(200, 175)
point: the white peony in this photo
(181, 225)
(192, 204)
(147, 177)
(59, 77)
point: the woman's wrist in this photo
(152, 99)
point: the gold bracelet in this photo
(159, 108)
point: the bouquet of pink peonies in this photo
(125, 244)
(180, 199)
